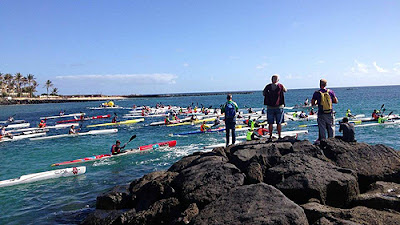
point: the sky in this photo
(150, 47)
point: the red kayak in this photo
(130, 151)
(85, 118)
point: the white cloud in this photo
(396, 67)
(379, 69)
(186, 64)
(320, 62)
(293, 77)
(156, 78)
(262, 66)
(360, 67)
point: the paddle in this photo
(133, 137)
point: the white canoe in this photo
(67, 172)
(67, 115)
(283, 134)
(22, 136)
(390, 122)
(57, 126)
(15, 121)
(17, 125)
(92, 132)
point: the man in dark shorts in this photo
(274, 99)
(230, 109)
(326, 120)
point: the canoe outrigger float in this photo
(127, 152)
(67, 172)
(85, 118)
(117, 123)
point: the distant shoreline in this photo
(88, 98)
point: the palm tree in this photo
(1, 84)
(18, 81)
(8, 78)
(32, 84)
(48, 85)
(54, 91)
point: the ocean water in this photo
(69, 200)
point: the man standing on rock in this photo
(274, 99)
(326, 119)
(230, 108)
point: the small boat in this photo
(127, 152)
(117, 123)
(92, 132)
(67, 172)
(22, 136)
(61, 116)
(85, 118)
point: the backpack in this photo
(326, 102)
(230, 110)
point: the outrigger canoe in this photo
(127, 152)
(55, 117)
(85, 118)
(92, 132)
(57, 126)
(192, 122)
(118, 123)
(22, 136)
(67, 172)
(200, 132)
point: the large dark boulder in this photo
(151, 188)
(382, 195)
(197, 158)
(252, 204)
(306, 147)
(117, 198)
(322, 214)
(301, 177)
(371, 162)
(205, 182)
(102, 217)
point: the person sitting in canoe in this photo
(42, 124)
(61, 113)
(10, 119)
(217, 122)
(166, 120)
(116, 149)
(250, 110)
(72, 130)
(252, 135)
(4, 133)
(262, 131)
(204, 127)
(348, 113)
(312, 112)
(306, 102)
(375, 114)
(114, 119)
(302, 115)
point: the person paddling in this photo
(72, 130)
(116, 148)
(42, 124)
(204, 127)
(3, 133)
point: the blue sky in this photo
(141, 47)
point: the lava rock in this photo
(371, 162)
(252, 204)
(205, 182)
(301, 177)
(117, 198)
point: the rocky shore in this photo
(260, 182)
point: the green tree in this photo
(8, 79)
(18, 78)
(54, 91)
(48, 85)
(32, 84)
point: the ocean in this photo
(69, 200)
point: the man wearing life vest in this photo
(166, 120)
(274, 99)
(116, 149)
(42, 124)
(326, 119)
(204, 127)
(252, 135)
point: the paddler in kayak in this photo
(217, 122)
(61, 113)
(303, 115)
(114, 119)
(312, 112)
(306, 102)
(167, 121)
(10, 119)
(42, 124)
(4, 133)
(375, 114)
(116, 149)
(72, 130)
(348, 113)
(262, 131)
(252, 135)
(204, 127)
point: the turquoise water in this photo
(68, 200)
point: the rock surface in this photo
(264, 182)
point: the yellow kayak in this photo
(191, 122)
(117, 123)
